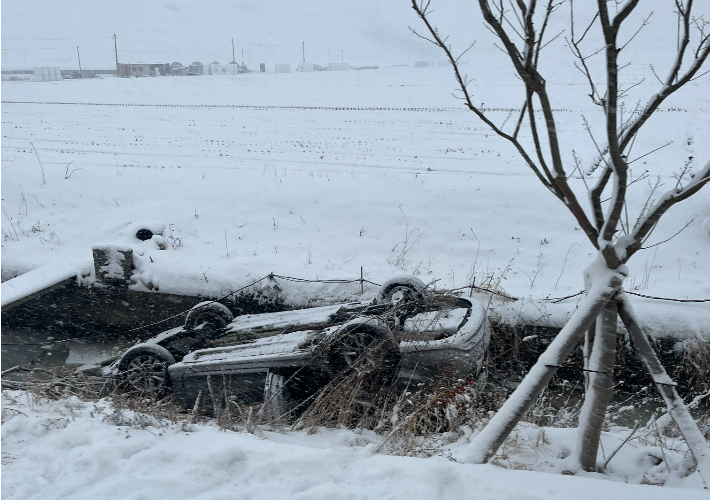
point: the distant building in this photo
(214, 68)
(195, 68)
(305, 67)
(282, 67)
(177, 69)
(232, 68)
(47, 74)
(341, 66)
(127, 70)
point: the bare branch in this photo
(700, 75)
(646, 225)
(640, 178)
(421, 12)
(651, 152)
(536, 138)
(668, 239)
(464, 52)
(656, 75)
(595, 197)
(643, 23)
(650, 201)
(578, 167)
(602, 154)
(674, 81)
(574, 45)
(622, 93)
(534, 83)
(547, 43)
(618, 161)
(520, 118)
(522, 7)
(551, 7)
(624, 13)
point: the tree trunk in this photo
(600, 390)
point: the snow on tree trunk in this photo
(600, 389)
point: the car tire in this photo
(364, 343)
(212, 314)
(401, 288)
(144, 368)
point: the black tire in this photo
(212, 315)
(402, 289)
(144, 368)
(364, 345)
(406, 296)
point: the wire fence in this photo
(472, 287)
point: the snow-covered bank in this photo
(70, 449)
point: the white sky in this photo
(368, 32)
(46, 32)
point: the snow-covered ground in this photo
(71, 449)
(316, 175)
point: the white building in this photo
(47, 74)
(282, 67)
(214, 68)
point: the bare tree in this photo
(521, 28)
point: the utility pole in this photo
(242, 57)
(342, 57)
(303, 45)
(115, 48)
(233, 59)
(77, 55)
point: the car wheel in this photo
(364, 345)
(208, 314)
(144, 368)
(401, 289)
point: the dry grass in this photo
(695, 365)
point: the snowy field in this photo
(316, 175)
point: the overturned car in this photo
(406, 332)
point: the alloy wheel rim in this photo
(357, 347)
(146, 372)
